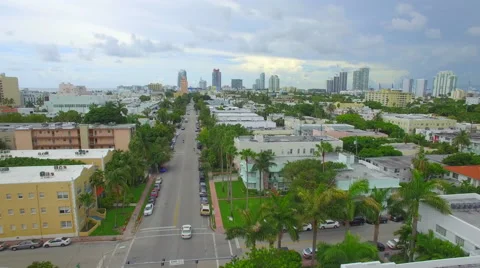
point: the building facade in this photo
(407, 85)
(183, 85)
(361, 78)
(217, 79)
(343, 81)
(72, 90)
(237, 83)
(181, 73)
(32, 96)
(330, 86)
(274, 83)
(410, 122)
(420, 88)
(42, 202)
(444, 83)
(73, 136)
(458, 94)
(336, 84)
(81, 104)
(202, 84)
(261, 84)
(9, 91)
(389, 98)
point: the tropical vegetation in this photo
(265, 258)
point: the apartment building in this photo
(389, 98)
(96, 157)
(74, 136)
(459, 174)
(466, 262)
(39, 202)
(410, 122)
(9, 90)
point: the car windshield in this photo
(308, 250)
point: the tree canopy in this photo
(31, 161)
(462, 159)
(369, 146)
(108, 113)
(19, 118)
(266, 258)
(42, 264)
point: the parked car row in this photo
(153, 197)
(36, 243)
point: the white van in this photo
(205, 210)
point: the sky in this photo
(106, 43)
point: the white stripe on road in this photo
(215, 247)
(163, 235)
(168, 230)
(155, 228)
(230, 247)
(237, 244)
(128, 252)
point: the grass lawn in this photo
(107, 227)
(253, 204)
(239, 190)
(137, 192)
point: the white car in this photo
(307, 227)
(148, 210)
(186, 231)
(329, 224)
(159, 180)
(57, 242)
(393, 244)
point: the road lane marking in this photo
(127, 253)
(230, 247)
(113, 254)
(154, 228)
(163, 235)
(169, 230)
(175, 213)
(215, 248)
(237, 244)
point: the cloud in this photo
(433, 33)
(414, 20)
(88, 55)
(474, 31)
(9, 33)
(133, 49)
(48, 53)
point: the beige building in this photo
(73, 136)
(458, 94)
(184, 85)
(7, 135)
(345, 105)
(9, 90)
(42, 202)
(389, 98)
(410, 122)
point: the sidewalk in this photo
(131, 226)
(216, 209)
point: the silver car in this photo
(32, 244)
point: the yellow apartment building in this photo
(42, 202)
(410, 122)
(352, 105)
(9, 89)
(74, 136)
(96, 157)
(389, 98)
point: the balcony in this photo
(92, 134)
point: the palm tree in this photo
(247, 155)
(420, 162)
(322, 149)
(355, 200)
(462, 139)
(147, 111)
(116, 184)
(253, 229)
(231, 152)
(97, 180)
(380, 196)
(318, 206)
(350, 250)
(281, 215)
(412, 193)
(86, 200)
(263, 162)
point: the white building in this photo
(274, 83)
(70, 89)
(472, 100)
(462, 227)
(81, 104)
(420, 88)
(407, 85)
(460, 174)
(410, 122)
(466, 262)
(32, 96)
(444, 83)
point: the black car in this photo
(396, 218)
(202, 177)
(380, 246)
(203, 200)
(151, 200)
(203, 189)
(383, 219)
(203, 194)
(357, 221)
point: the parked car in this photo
(154, 193)
(34, 243)
(329, 224)
(205, 210)
(159, 180)
(152, 200)
(148, 210)
(393, 243)
(201, 177)
(203, 194)
(383, 219)
(203, 189)
(186, 231)
(203, 184)
(307, 253)
(357, 221)
(380, 246)
(3, 246)
(183, 128)
(307, 227)
(163, 169)
(58, 242)
(396, 218)
(203, 200)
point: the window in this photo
(20, 196)
(41, 195)
(43, 210)
(34, 226)
(459, 241)
(65, 224)
(45, 225)
(8, 196)
(31, 195)
(304, 150)
(64, 210)
(439, 229)
(22, 211)
(298, 151)
(290, 151)
(312, 151)
(13, 227)
(397, 170)
(33, 211)
(62, 195)
(10, 212)
(24, 227)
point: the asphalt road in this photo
(158, 236)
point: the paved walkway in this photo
(216, 208)
(131, 226)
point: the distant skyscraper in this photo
(202, 84)
(258, 83)
(407, 85)
(237, 84)
(330, 86)
(274, 83)
(360, 79)
(444, 83)
(420, 88)
(336, 84)
(343, 81)
(184, 85)
(217, 79)
(181, 73)
(262, 81)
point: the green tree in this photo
(97, 180)
(230, 152)
(86, 200)
(280, 213)
(263, 162)
(265, 258)
(247, 155)
(31, 161)
(412, 193)
(374, 213)
(430, 247)
(462, 159)
(144, 98)
(109, 113)
(116, 185)
(461, 140)
(253, 229)
(350, 250)
(68, 116)
(147, 111)
(163, 116)
(42, 264)
(321, 149)
(352, 119)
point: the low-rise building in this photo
(410, 122)
(389, 97)
(459, 174)
(465, 262)
(395, 166)
(472, 100)
(349, 133)
(462, 227)
(96, 157)
(81, 104)
(38, 202)
(73, 136)
(34, 97)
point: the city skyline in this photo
(106, 46)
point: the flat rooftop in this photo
(73, 126)
(60, 154)
(287, 138)
(392, 161)
(19, 175)
(415, 117)
(465, 207)
(359, 171)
